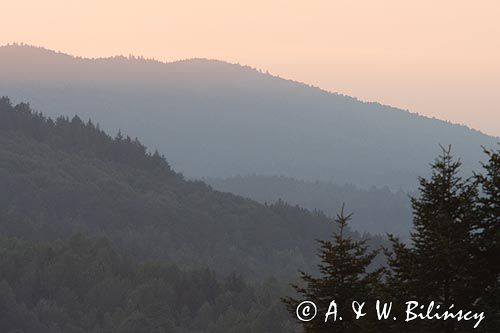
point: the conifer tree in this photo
(487, 240)
(437, 266)
(344, 278)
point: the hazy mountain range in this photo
(214, 119)
(375, 210)
(64, 177)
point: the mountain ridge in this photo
(140, 58)
(152, 61)
(216, 119)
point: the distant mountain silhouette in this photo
(214, 119)
(377, 210)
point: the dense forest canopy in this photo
(215, 119)
(79, 285)
(65, 176)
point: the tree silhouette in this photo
(438, 265)
(345, 277)
(487, 240)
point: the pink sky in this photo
(438, 58)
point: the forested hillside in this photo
(79, 285)
(376, 210)
(216, 119)
(66, 176)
